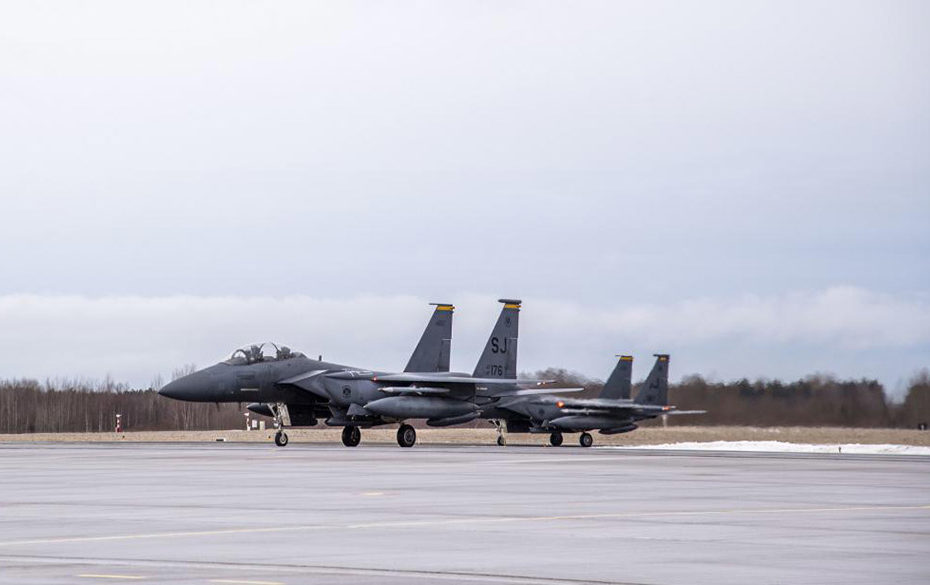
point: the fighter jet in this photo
(289, 386)
(297, 391)
(611, 413)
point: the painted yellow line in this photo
(246, 582)
(461, 521)
(102, 576)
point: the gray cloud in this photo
(635, 166)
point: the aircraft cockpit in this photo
(261, 352)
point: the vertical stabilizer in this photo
(619, 383)
(655, 389)
(434, 350)
(499, 359)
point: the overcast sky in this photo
(743, 184)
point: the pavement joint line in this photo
(460, 521)
(105, 576)
(621, 515)
(245, 582)
(431, 575)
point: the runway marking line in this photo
(103, 576)
(457, 521)
(241, 582)
(620, 515)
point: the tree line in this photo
(28, 406)
(817, 400)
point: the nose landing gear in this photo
(586, 440)
(406, 436)
(282, 418)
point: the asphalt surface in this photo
(256, 514)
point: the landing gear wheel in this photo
(586, 439)
(280, 438)
(351, 436)
(501, 439)
(555, 439)
(406, 436)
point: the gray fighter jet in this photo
(289, 386)
(611, 413)
(297, 391)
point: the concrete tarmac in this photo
(324, 514)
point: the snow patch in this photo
(783, 447)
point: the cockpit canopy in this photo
(261, 352)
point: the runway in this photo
(258, 515)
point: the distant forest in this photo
(28, 406)
(817, 400)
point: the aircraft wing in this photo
(451, 379)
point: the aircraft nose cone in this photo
(170, 390)
(180, 389)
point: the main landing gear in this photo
(555, 439)
(351, 436)
(406, 436)
(586, 439)
(501, 439)
(280, 439)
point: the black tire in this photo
(280, 439)
(406, 436)
(555, 439)
(501, 441)
(586, 440)
(351, 436)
